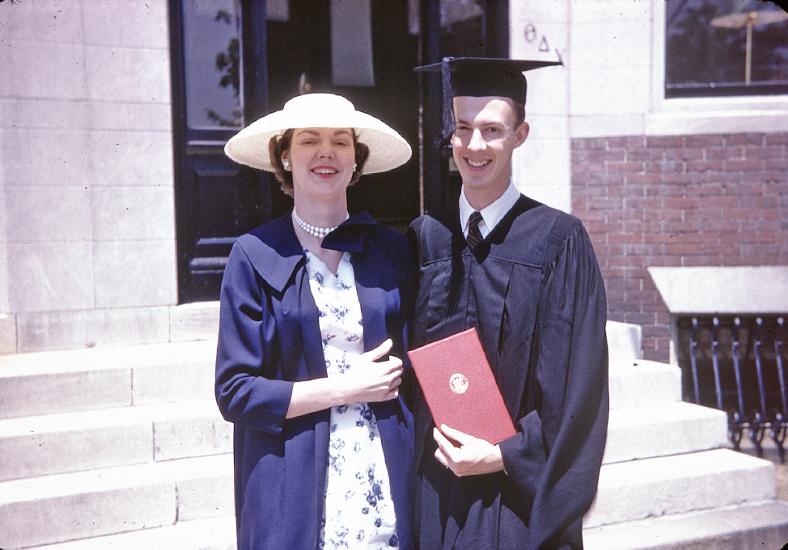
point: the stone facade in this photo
(87, 210)
(658, 182)
(87, 239)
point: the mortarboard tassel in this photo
(447, 123)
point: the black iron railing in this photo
(736, 364)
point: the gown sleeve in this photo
(243, 394)
(555, 457)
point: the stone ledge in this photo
(723, 290)
(196, 321)
(724, 121)
(25, 332)
(53, 330)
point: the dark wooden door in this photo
(235, 61)
(452, 28)
(364, 51)
(218, 78)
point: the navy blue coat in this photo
(269, 338)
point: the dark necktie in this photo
(474, 237)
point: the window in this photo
(725, 47)
(212, 68)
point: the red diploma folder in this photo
(460, 388)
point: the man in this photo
(526, 277)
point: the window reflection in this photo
(212, 64)
(707, 50)
(462, 28)
(277, 10)
(454, 12)
(351, 43)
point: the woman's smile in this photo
(324, 171)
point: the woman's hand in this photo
(367, 381)
(370, 380)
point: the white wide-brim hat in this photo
(387, 149)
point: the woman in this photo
(311, 306)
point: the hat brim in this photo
(387, 149)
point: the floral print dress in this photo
(359, 511)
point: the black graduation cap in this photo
(481, 77)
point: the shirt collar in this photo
(492, 213)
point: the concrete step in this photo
(643, 382)
(623, 342)
(655, 487)
(100, 378)
(205, 534)
(51, 444)
(664, 429)
(747, 527)
(56, 381)
(63, 507)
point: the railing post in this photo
(735, 418)
(693, 350)
(780, 423)
(715, 361)
(735, 356)
(756, 410)
(760, 420)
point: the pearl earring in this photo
(286, 164)
(354, 166)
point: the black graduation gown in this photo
(535, 293)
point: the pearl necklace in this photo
(314, 230)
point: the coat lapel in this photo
(275, 252)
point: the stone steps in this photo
(49, 444)
(57, 443)
(169, 426)
(746, 527)
(654, 487)
(62, 507)
(643, 382)
(663, 429)
(754, 526)
(99, 378)
(123, 447)
(204, 534)
(56, 381)
(128, 498)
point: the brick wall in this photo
(700, 200)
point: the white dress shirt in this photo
(491, 214)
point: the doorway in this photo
(234, 61)
(362, 50)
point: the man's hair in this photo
(277, 145)
(519, 113)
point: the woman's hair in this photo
(277, 145)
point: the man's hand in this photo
(472, 457)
